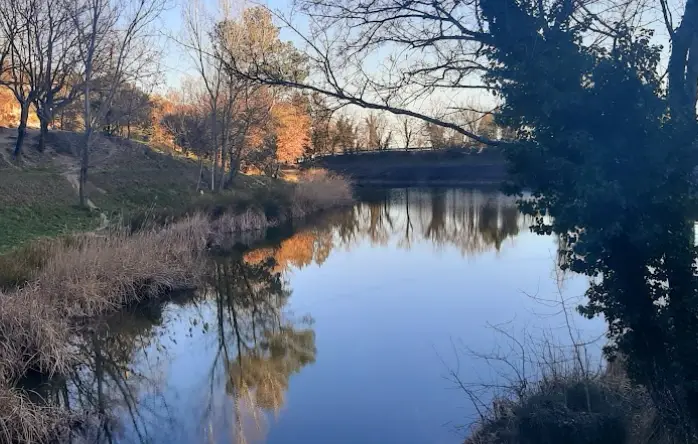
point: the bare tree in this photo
(407, 130)
(197, 28)
(110, 44)
(42, 54)
(434, 47)
(59, 86)
(20, 28)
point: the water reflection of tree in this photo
(109, 383)
(469, 220)
(257, 351)
(257, 348)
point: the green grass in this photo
(38, 203)
(134, 185)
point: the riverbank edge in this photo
(77, 278)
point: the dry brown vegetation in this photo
(68, 281)
(23, 421)
(318, 189)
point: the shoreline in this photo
(79, 278)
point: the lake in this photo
(356, 329)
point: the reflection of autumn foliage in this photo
(265, 373)
(260, 348)
(298, 250)
(254, 257)
(471, 221)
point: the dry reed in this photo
(90, 276)
(21, 420)
(319, 190)
(72, 280)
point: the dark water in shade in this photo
(346, 332)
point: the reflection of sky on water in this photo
(393, 310)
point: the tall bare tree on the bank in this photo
(112, 43)
(20, 72)
(58, 82)
(408, 130)
(198, 25)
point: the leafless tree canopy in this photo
(392, 54)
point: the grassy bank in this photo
(37, 202)
(69, 281)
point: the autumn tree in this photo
(292, 132)
(238, 42)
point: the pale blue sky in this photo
(176, 62)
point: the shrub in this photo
(318, 190)
(572, 408)
(24, 421)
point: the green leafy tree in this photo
(606, 155)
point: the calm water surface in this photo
(350, 331)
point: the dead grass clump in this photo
(32, 335)
(24, 421)
(18, 266)
(249, 220)
(104, 273)
(317, 190)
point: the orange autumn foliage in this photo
(292, 132)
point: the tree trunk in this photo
(43, 121)
(84, 163)
(221, 181)
(234, 168)
(128, 129)
(85, 157)
(680, 87)
(201, 174)
(214, 155)
(21, 129)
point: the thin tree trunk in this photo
(214, 155)
(128, 129)
(43, 121)
(85, 158)
(221, 182)
(234, 167)
(201, 173)
(21, 129)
